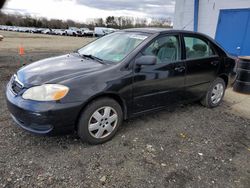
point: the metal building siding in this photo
(184, 14)
(208, 13)
(208, 16)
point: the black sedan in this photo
(116, 77)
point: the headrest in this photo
(200, 47)
(170, 45)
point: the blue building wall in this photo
(233, 31)
(196, 14)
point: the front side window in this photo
(114, 47)
(197, 48)
(166, 49)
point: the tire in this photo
(211, 100)
(242, 83)
(103, 126)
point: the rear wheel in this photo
(214, 94)
(100, 121)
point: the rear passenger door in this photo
(202, 64)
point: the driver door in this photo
(162, 84)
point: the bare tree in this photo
(111, 21)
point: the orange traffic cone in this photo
(21, 55)
(21, 50)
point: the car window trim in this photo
(202, 58)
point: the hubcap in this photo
(102, 122)
(217, 93)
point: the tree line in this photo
(121, 22)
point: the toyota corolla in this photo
(122, 75)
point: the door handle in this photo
(214, 63)
(180, 68)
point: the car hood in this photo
(57, 69)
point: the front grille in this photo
(15, 85)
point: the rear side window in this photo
(197, 48)
(166, 49)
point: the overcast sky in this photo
(80, 10)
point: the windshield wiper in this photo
(93, 57)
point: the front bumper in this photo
(42, 117)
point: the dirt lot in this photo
(189, 146)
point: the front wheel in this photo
(100, 121)
(214, 94)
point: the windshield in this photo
(113, 47)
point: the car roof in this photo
(156, 30)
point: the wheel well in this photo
(108, 95)
(225, 78)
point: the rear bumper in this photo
(42, 117)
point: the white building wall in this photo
(184, 15)
(208, 13)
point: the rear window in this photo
(197, 48)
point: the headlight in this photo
(46, 92)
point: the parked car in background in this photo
(33, 30)
(89, 33)
(38, 30)
(119, 76)
(83, 29)
(15, 29)
(73, 31)
(24, 29)
(47, 31)
(59, 32)
(101, 31)
(86, 32)
(9, 28)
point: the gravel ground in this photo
(188, 146)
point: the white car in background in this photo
(23, 29)
(87, 32)
(38, 30)
(3, 27)
(47, 31)
(101, 31)
(59, 32)
(15, 29)
(73, 31)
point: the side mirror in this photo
(146, 60)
